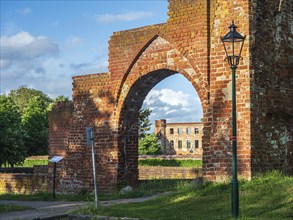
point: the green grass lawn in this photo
(30, 162)
(266, 197)
(12, 208)
(170, 163)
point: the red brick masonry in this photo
(188, 43)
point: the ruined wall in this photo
(218, 152)
(169, 136)
(189, 44)
(60, 121)
(24, 180)
(94, 103)
(271, 29)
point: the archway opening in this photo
(176, 117)
(129, 122)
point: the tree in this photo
(23, 95)
(34, 106)
(144, 122)
(149, 145)
(35, 124)
(59, 98)
(12, 148)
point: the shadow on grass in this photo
(265, 197)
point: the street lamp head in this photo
(233, 44)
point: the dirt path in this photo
(45, 209)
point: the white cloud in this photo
(25, 47)
(23, 58)
(130, 16)
(175, 106)
(18, 40)
(73, 40)
(168, 96)
(24, 11)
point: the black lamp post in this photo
(233, 44)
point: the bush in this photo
(149, 145)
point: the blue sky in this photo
(45, 43)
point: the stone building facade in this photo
(189, 44)
(181, 138)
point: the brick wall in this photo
(148, 173)
(35, 179)
(188, 43)
(271, 28)
(25, 183)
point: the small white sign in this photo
(55, 159)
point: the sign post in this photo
(90, 142)
(55, 159)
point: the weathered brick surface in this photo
(149, 173)
(188, 43)
(25, 183)
(271, 72)
(169, 136)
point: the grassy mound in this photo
(265, 197)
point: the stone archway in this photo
(188, 43)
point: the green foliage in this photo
(23, 95)
(24, 124)
(33, 105)
(35, 123)
(265, 197)
(144, 122)
(149, 145)
(31, 163)
(170, 163)
(12, 150)
(59, 98)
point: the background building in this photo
(180, 138)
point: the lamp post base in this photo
(235, 199)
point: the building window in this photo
(179, 130)
(188, 144)
(171, 130)
(196, 144)
(196, 130)
(172, 143)
(188, 130)
(180, 144)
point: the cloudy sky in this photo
(45, 43)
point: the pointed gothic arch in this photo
(188, 43)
